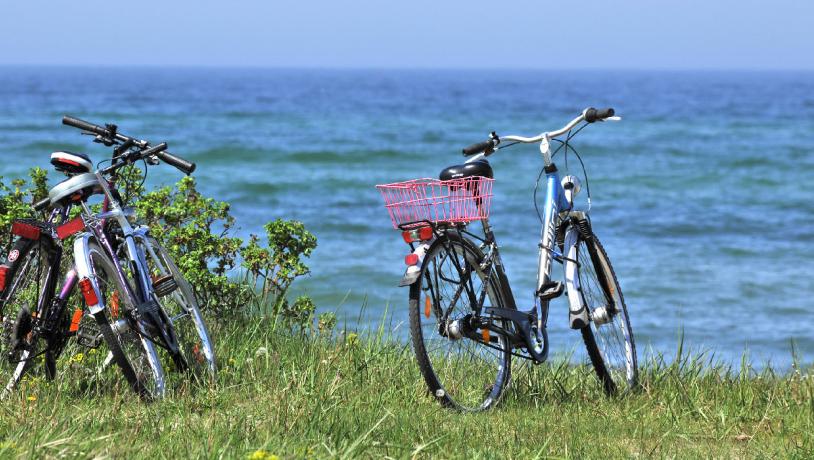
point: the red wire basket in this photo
(450, 201)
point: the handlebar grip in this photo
(187, 167)
(83, 125)
(474, 149)
(42, 204)
(592, 114)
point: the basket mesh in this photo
(451, 201)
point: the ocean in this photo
(702, 195)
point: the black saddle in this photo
(475, 168)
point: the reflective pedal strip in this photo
(77, 317)
(70, 228)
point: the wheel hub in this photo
(601, 315)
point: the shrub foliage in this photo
(230, 276)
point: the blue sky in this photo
(642, 34)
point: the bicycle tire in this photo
(134, 354)
(17, 298)
(608, 337)
(181, 307)
(472, 391)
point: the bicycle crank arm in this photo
(535, 340)
(158, 327)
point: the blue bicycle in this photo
(464, 321)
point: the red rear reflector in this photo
(417, 234)
(26, 231)
(3, 272)
(88, 293)
(77, 317)
(411, 259)
(70, 228)
(425, 233)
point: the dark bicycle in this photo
(464, 321)
(140, 301)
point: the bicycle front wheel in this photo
(131, 349)
(177, 299)
(464, 367)
(608, 336)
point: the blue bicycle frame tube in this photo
(554, 202)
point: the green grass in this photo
(364, 397)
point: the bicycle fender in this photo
(577, 310)
(81, 257)
(414, 271)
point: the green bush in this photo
(230, 276)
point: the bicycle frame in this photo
(112, 209)
(49, 308)
(556, 200)
(558, 203)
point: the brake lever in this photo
(103, 140)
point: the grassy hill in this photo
(295, 396)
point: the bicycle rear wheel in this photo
(608, 337)
(177, 300)
(464, 367)
(25, 272)
(132, 351)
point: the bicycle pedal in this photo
(551, 290)
(89, 335)
(164, 286)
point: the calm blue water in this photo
(702, 195)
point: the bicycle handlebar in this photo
(187, 167)
(589, 115)
(84, 125)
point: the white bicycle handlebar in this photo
(557, 133)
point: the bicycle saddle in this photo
(475, 168)
(71, 163)
(75, 188)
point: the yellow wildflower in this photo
(263, 455)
